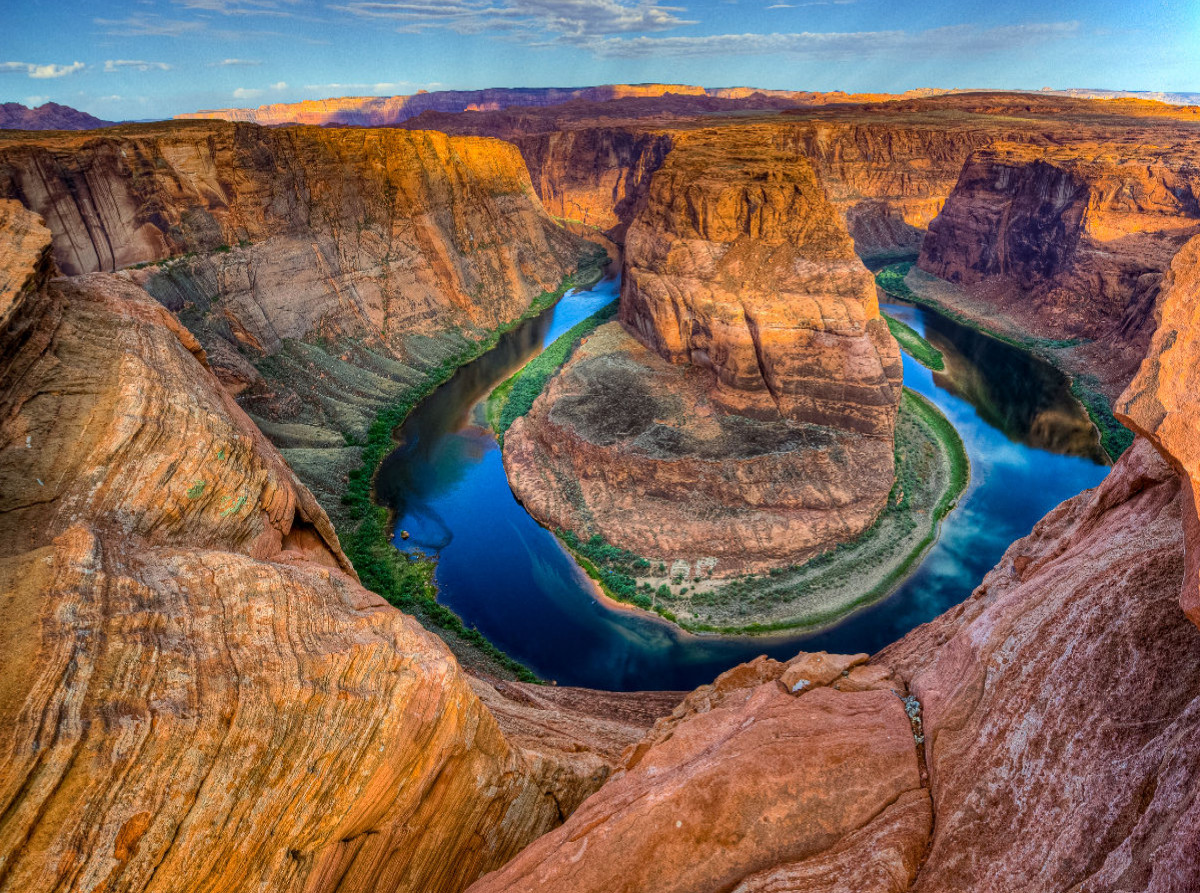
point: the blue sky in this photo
(153, 58)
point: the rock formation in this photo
(324, 271)
(196, 691)
(770, 439)
(1071, 242)
(627, 446)
(738, 264)
(1163, 402)
(48, 116)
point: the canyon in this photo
(202, 322)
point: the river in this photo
(1029, 443)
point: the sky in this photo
(137, 59)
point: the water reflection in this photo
(1027, 399)
(506, 575)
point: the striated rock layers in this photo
(324, 271)
(195, 691)
(738, 264)
(766, 436)
(1072, 241)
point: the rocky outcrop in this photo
(739, 265)
(1072, 242)
(767, 436)
(750, 786)
(627, 446)
(1047, 740)
(197, 693)
(48, 116)
(1163, 402)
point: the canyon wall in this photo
(1071, 242)
(1163, 401)
(197, 693)
(326, 272)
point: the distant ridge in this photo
(383, 111)
(376, 111)
(51, 116)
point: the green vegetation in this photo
(915, 345)
(514, 397)
(405, 579)
(932, 471)
(1115, 438)
(196, 490)
(615, 569)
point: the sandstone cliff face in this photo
(1073, 241)
(196, 693)
(738, 264)
(1163, 401)
(322, 270)
(627, 446)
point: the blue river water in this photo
(1029, 443)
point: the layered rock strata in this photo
(195, 691)
(738, 264)
(766, 436)
(1163, 401)
(325, 272)
(1070, 242)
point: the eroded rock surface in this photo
(1163, 402)
(749, 786)
(738, 264)
(195, 691)
(1071, 241)
(628, 446)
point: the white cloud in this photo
(234, 63)
(842, 46)
(112, 65)
(42, 72)
(282, 85)
(149, 25)
(383, 88)
(31, 101)
(239, 7)
(569, 19)
(245, 93)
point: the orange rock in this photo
(1163, 401)
(738, 264)
(740, 792)
(625, 445)
(195, 691)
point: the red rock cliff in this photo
(1073, 240)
